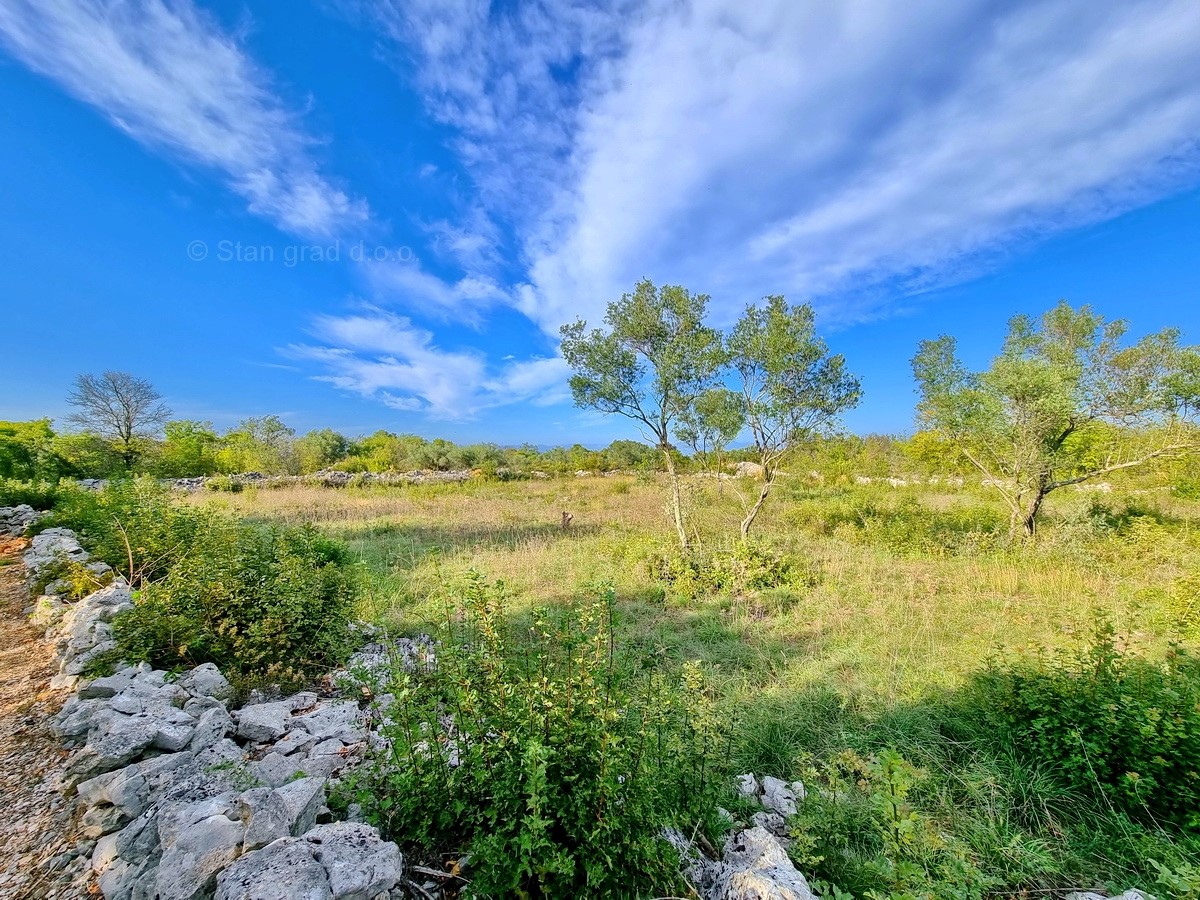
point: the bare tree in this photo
(119, 407)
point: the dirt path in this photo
(36, 832)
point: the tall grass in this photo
(912, 589)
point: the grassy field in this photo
(892, 613)
(897, 597)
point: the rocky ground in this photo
(37, 831)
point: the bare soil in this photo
(38, 856)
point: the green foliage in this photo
(1056, 405)
(320, 449)
(1179, 882)
(190, 449)
(267, 602)
(38, 494)
(748, 567)
(224, 484)
(859, 824)
(1107, 723)
(544, 755)
(903, 525)
(27, 452)
(88, 455)
(132, 524)
(259, 444)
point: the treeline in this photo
(36, 451)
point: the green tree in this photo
(793, 389)
(260, 444)
(119, 407)
(190, 449)
(87, 455)
(27, 451)
(1067, 400)
(319, 449)
(655, 359)
(624, 454)
(714, 421)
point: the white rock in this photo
(206, 680)
(190, 863)
(747, 785)
(283, 870)
(778, 796)
(756, 867)
(264, 722)
(360, 865)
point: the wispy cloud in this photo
(384, 356)
(172, 79)
(852, 153)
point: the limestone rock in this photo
(206, 680)
(778, 796)
(283, 870)
(756, 867)
(264, 722)
(189, 866)
(360, 865)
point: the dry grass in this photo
(879, 623)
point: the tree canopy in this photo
(656, 358)
(1067, 400)
(118, 406)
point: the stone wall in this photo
(182, 797)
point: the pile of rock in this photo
(14, 520)
(180, 796)
(754, 864)
(183, 796)
(324, 478)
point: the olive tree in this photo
(711, 424)
(792, 388)
(651, 364)
(120, 407)
(1067, 400)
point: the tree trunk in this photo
(753, 514)
(676, 500)
(1029, 519)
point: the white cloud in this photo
(419, 291)
(384, 356)
(852, 153)
(167, 75)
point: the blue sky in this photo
(377, 214)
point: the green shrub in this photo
(544, 756)
(259, 601)
(748, 567)
(860, 828)
(134, 525)
(1105, 722)
(223, 483)
(38, 494)
(906, 527)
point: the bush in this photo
(133, 525)
(259, 601)
(748, 567)
(858, 826)
(38, 494)
(543, 756)
(223, 483)
(1106, 723)
(907, 527)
